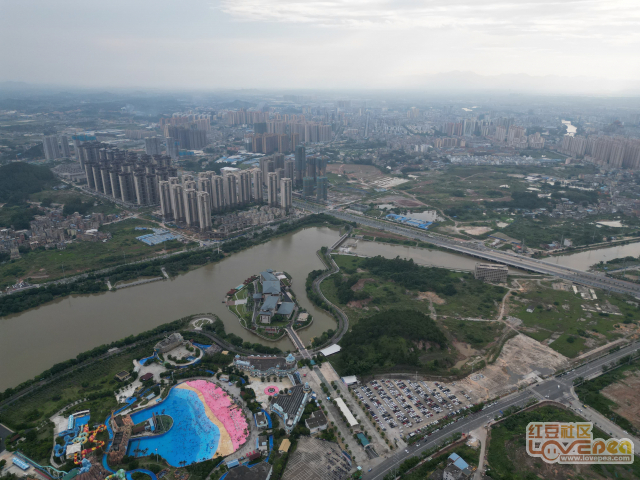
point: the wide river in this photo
(32, 341)
(583, 260)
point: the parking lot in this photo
(402, 407)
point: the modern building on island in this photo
(275, 301)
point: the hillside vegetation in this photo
(19, 180)
(388, 339)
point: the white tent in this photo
(330, 350)
(350, 380)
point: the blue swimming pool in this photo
(192, 438)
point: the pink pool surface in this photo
(228, 413)
(272, 390)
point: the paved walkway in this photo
(481, 434)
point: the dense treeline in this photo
(344, 291)
(388, 339)
(18, 216)
(323, 338)
(414, 277)
(34, 297)
(311, 295)
(19, 180)
(258, 238)
(217, 327)
(439, 280)
(77, 205)
(21, 301)
(97, 351)
(546, 230)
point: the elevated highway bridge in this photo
(480, 251)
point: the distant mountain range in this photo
(454, 82)
(523, 83)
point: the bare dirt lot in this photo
(432, 297)
(520, 356)
(363, 173)
(625, 394)
(405, 202)
(400, 201)
(360, 284)
(476, 230)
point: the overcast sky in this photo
(312, 44)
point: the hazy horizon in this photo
(574, 46)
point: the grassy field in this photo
(472, 298)
(622, 382)
(476, 334)
(336, 179)
(460, 185)
(562, 312)
(43, 265)
(380, 295)
(241, 310)
(508, 460)
(469, 194)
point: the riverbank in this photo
(94, 320)
(174, 265)
(595, 246)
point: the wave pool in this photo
(192, 438)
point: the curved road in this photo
(344, 320)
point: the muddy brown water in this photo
(34, 340)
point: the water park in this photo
(196, 421)
(174, 422)
(78, 440)
(206, 425)
(168, 413)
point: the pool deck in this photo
(225, 445)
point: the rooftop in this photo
(268, 275)
(286, 308)
(265, 363)
(316, 419)
(270, 303)
(351, 420)
(271, 286)
(174, 337)
(290, 403)
(284, 446)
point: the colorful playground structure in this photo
(79, 434)
(84, 437)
